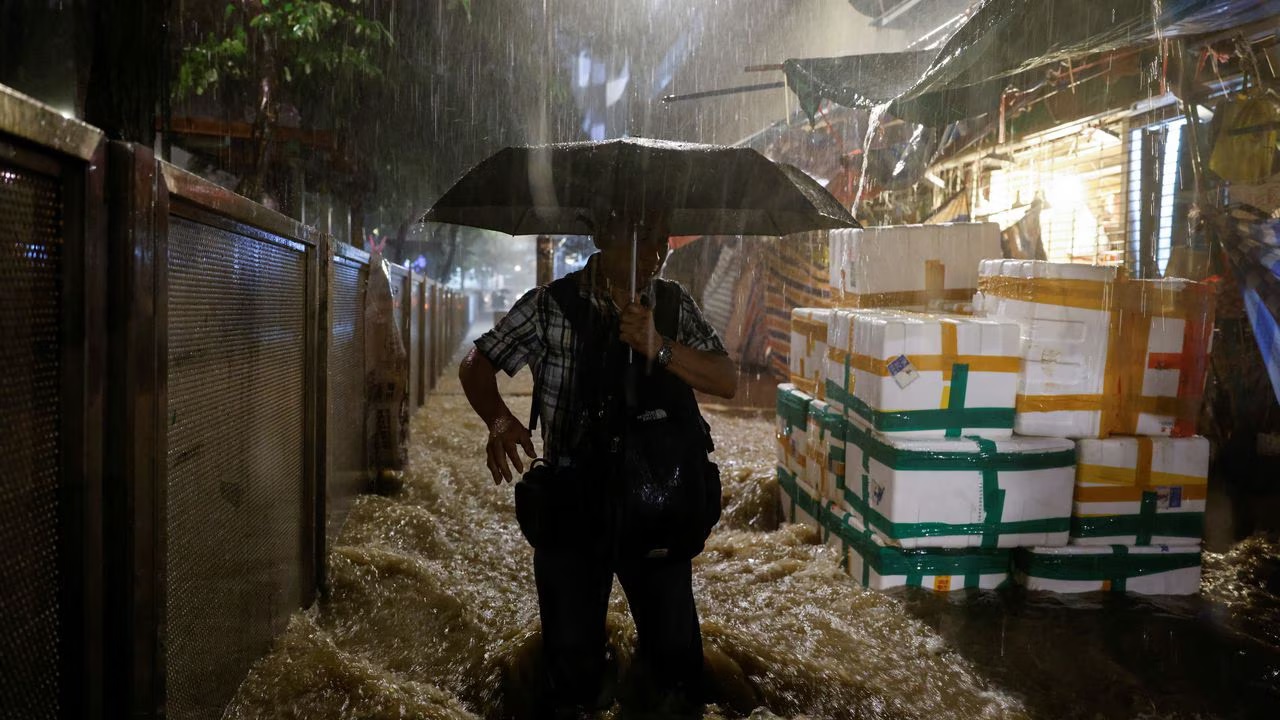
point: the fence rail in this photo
(183, 403)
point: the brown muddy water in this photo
(432, 614)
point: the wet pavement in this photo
(432, 614)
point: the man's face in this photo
(650, 232)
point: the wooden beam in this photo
(213, 127)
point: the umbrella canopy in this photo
(702, 189)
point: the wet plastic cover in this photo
(999, 39)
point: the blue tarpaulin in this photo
(1255, 259)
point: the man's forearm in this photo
(708, 372)
(479, 381)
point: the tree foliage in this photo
(296, 40)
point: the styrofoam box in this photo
(878, 566)
(792, 419)
(989, 351)
(1109, 495)
(824, 454)
(817, 449)
(937, 498)
(808, 352)
(874, 261)
(791, 428)
(837, 375)
(1065, 348)
(1145, 570)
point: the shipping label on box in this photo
(878, 566)
(925, 375)
(910, 266)
(1102, 355)
(808, 352)
(969, 492)
(1140, 491)
(1146, 570)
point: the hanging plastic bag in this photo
(386, 375)
(1245, 148)
(1248, 128)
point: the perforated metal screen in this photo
(235, 419)
(31, 208)
(347, 472)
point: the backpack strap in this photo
(564, 293)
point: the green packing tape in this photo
(838, 394)
(1119, 583)
(955, 404)
(1179, 525)
(800, 498)
(885, 560)
(898, 459)
(793, 407)
(992, 497)
(898, 421)
(1146, 514)
(1116, 566)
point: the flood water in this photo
(432, 614)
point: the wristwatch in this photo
(664, 353)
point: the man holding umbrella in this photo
(626, 486)
(574, 578)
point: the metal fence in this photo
(183, 404)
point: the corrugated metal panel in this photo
(31, 209)
(235, 515)
(347, 474)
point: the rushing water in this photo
(432, 614)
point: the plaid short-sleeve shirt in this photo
(536, 333)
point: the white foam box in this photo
(1145, 570)
(792, 431)
(928, 375)
(1140, 491)
(909, 266)
(837, 374)
(880, 566)
(1102, 355)
(808, 352)
(969, 492)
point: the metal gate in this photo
(52, 324)
(182, 368)
(348, 472)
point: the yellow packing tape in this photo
(902, 298)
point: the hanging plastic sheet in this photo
(1002, 38)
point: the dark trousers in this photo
(573, 598)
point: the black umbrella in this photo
(703, 189)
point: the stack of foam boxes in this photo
(912, 471)
(941, 443)
(1119, 365)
